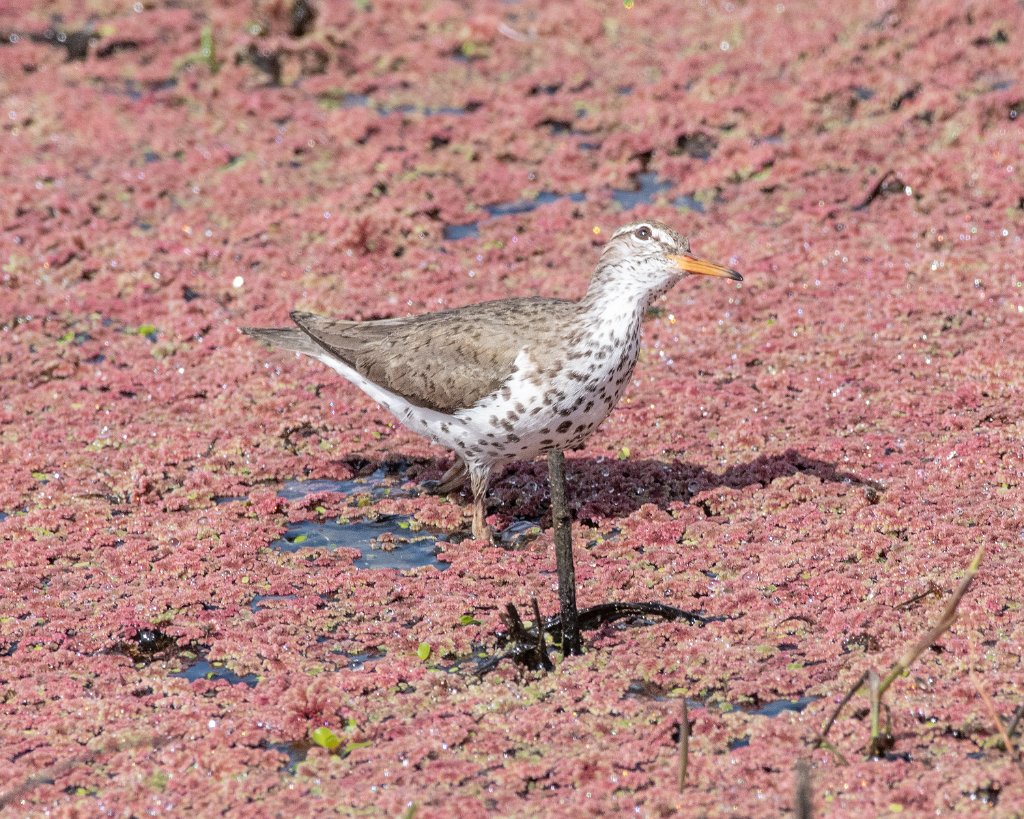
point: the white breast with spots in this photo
(537, 410)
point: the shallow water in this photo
(203, 669)
(377, 485)
(408, 550)
(648, 187)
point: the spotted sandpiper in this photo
(507, 380)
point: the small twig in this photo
(881, 741)
(917, 598)
(684, 745)
(900, 667)
(604, 613)
(935, 632)
(875, 698)
(824, 744)
(887, 183)
(515, 622)
(820, 739)
(803, 802)
(1011, 729)
(994, 715)
(542, 646)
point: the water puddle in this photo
(527, 205)
(648, 187)
(358, 661)
(377, 485)
(472, 662)
(519, 533)
(384, 542)
(151, 645)
(389, 542)
(348, 101)
(453, 233)
(296, 753)
(777, 707)
(263, 601)
(203, 669)
(688, 203)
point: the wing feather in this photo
(444, 361)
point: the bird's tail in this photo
(287, 338)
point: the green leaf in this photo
(355, 746)
(325, 738)
(423, 652)
(300, 538)
(468, 620)
(623, 453)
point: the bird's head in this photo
(644, 259)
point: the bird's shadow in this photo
(610, 488)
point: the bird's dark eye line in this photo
(643, 233)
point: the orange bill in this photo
(703, 268)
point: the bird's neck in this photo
(614, 302)
(612, 315)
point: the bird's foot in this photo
(485, 533)
(451, 481)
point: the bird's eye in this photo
(643, 233)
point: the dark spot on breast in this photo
(564, 426)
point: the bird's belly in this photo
(531, 416)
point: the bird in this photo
(512, 379)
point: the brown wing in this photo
(287, 338)
(445, 361)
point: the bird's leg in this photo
(478, 479)
(561, 519)
(451, 481)
(454, 478)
